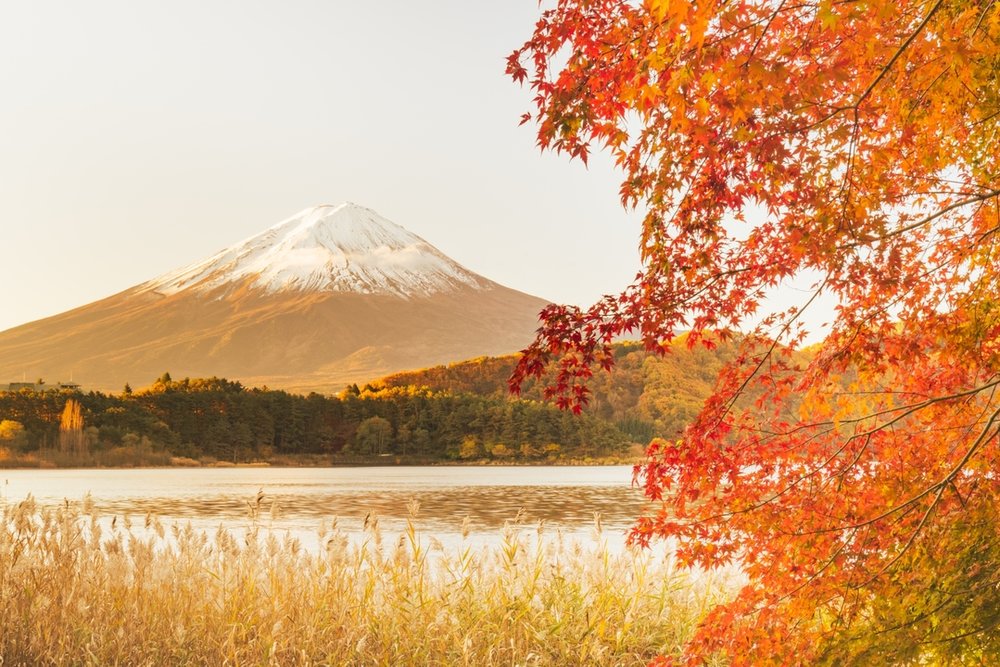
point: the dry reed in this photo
(76, 590)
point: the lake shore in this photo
(55, 460)
(299, 499)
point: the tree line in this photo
(223, 420)
(648, 395)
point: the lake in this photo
(565, 498)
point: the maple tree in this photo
(857, 488)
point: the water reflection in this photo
(565, 498)
(486, 507)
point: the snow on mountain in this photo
(332, 296)
(344, 248)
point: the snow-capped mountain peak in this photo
(342, 248)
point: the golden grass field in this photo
(76, 589)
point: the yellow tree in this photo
(862, 136)
(71, 437)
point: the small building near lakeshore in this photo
(40, 386)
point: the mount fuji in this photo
(330, 296)
(345, 248)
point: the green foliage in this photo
(372, 435)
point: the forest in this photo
(460, 412)
(216, 419)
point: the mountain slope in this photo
(333, 295)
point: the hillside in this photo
(646, 395)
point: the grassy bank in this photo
(74, 593)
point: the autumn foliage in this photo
(850, 142)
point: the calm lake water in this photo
(564, 498)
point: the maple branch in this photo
(963, 635)
(854, 461)
(836, 110)
(767, 355)
(905, 414)
(913, 535)
(752, 24)
(984, 436)
(867, 435)
(791, 485)
(924, 221)
(912, 621)
(756, 44)
(986, 119)
(924, 92)
(909, 409)
(883, 308)
(899, 52)
(815, 575)
(847, 184)
(939, 486)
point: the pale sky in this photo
(141, 136)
